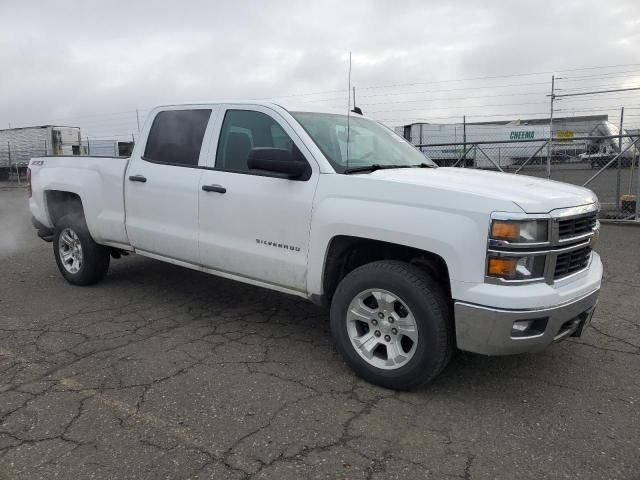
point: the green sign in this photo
(522, 135)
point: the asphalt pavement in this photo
(163, 372)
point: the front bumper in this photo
(488, 330)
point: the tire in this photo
(421, 299)
(71, 235)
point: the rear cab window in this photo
(176, 137)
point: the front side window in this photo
(176, 137)
(244, 130)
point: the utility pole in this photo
(550, 144)
(619, 160)
(138, 119)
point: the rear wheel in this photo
(80, 260)
(392, 323)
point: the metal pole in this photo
(619, 161)
(88, 146)
(45, 147)
(637, 187)
(530, 140)
(550, 144)
(633, 162)
(17, 171)
(464, 138)
(562, 95)
(138, 119)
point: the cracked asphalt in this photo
(162, 372)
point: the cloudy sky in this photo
(92, 64)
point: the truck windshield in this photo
(370, 143)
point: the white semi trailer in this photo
(19, 145)
(488, 145)
(446, 142)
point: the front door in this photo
(251, 224)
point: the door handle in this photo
(138, 178)
(214, 188)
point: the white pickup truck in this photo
(413, 260)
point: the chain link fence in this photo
(606, 164)
(599, 157)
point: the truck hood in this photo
(531, 194)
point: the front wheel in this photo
(80, 260)
(392, 324)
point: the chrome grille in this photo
(576, 226)
(571, 262)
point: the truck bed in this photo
(99, 181)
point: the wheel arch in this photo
(345, 253)
(59, 203)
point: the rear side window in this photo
(176, 137)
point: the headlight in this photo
(529, 231)
(516, 268)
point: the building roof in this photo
(36, 126)
(532, 121)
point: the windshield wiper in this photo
(373, 168)
(424, 165)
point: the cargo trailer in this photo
(18, 145)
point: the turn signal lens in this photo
(505, 230)
(502, 267)
(520, 231)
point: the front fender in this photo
(459, 238)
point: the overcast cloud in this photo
(93, 63)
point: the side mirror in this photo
(278, 162)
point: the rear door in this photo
(252, 224)
(161, 184)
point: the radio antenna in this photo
(349, 109)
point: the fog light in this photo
(528, 328)
(521, 326)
